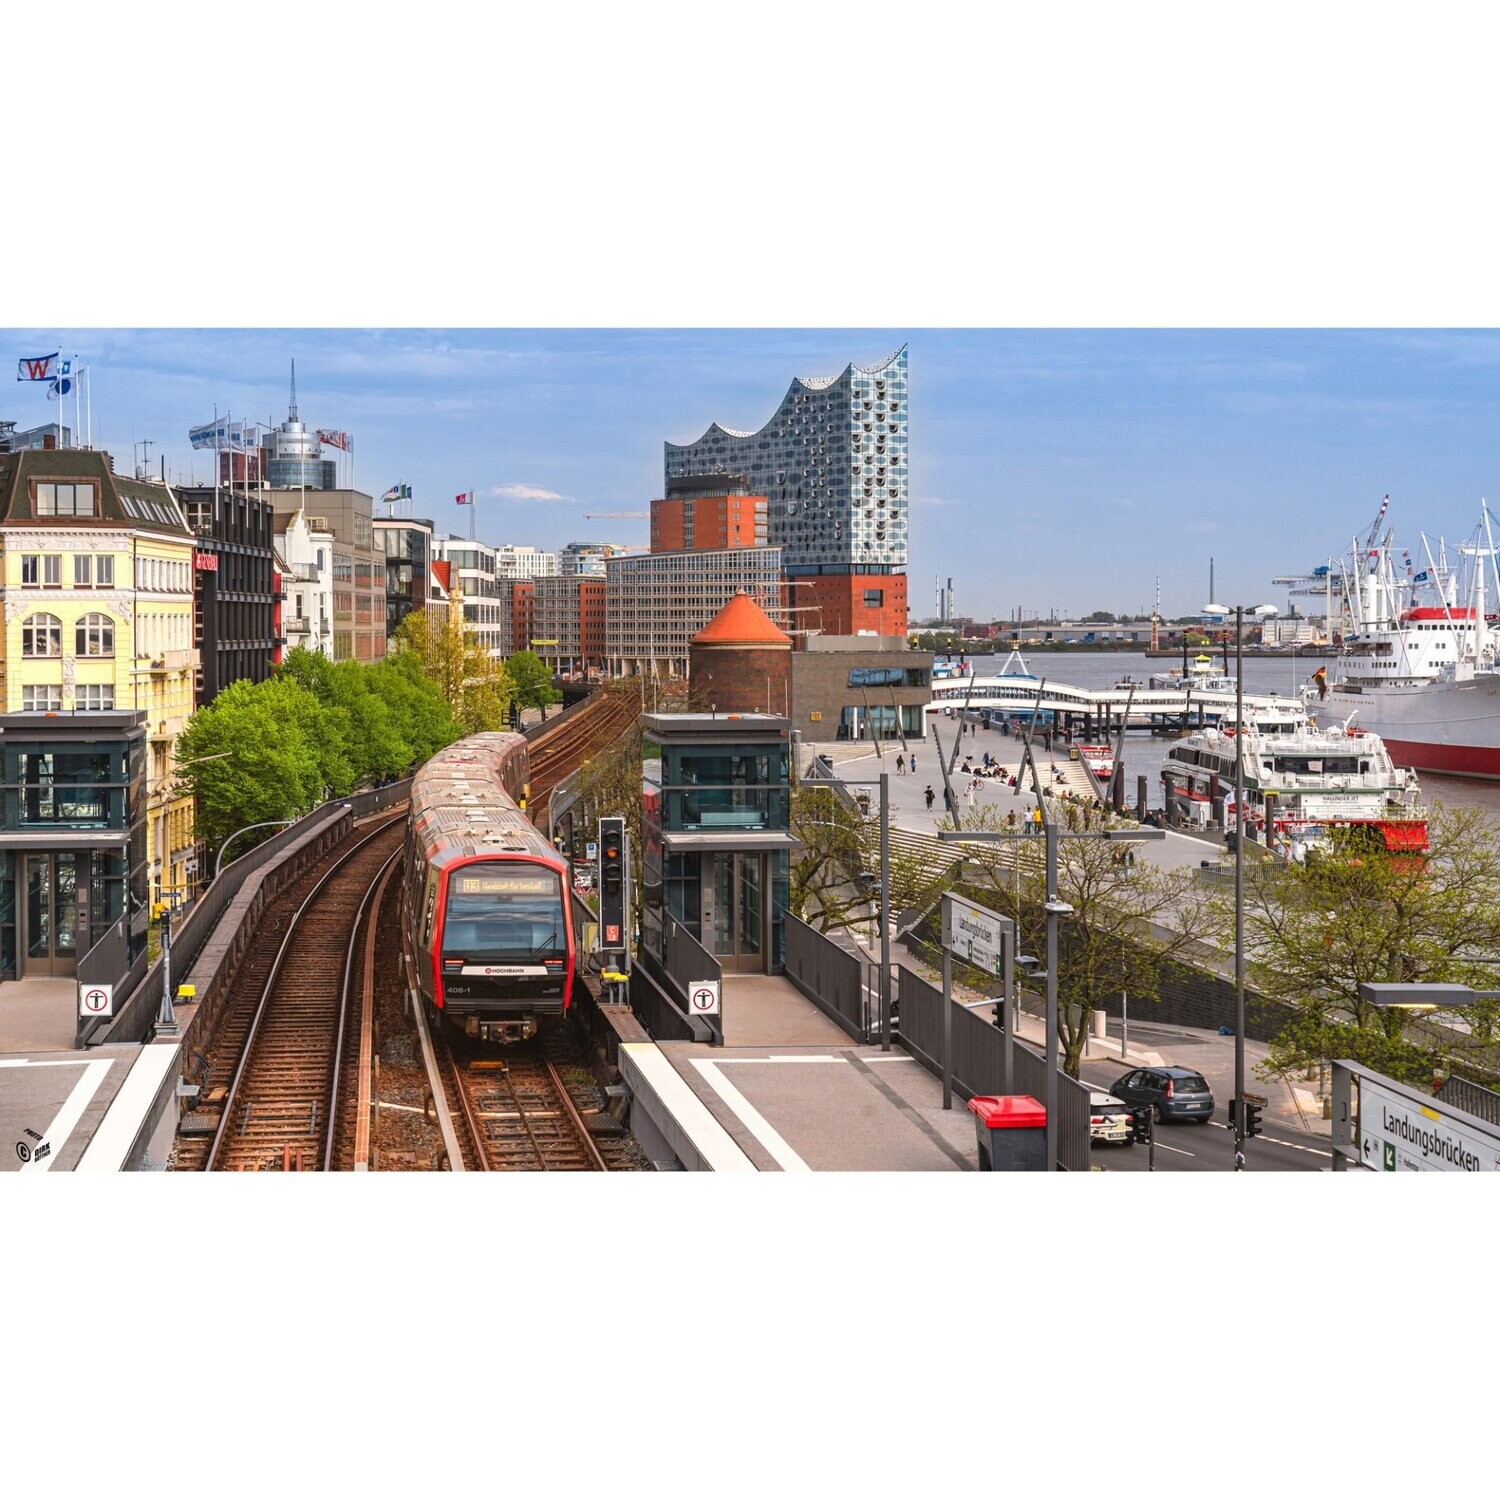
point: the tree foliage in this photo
(1129, 919)
(1355, 914)
(531, 678)
(477, 687)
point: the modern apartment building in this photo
(359, 565)
(655, 604)
(832, 464)
(98, 590)
(234, 592)
(706, 523)
(407, 546)
(524, 562)
(587, 559)
(486, 596)
(569, 622)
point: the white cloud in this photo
(929, 500)
(524, 492)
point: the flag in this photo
(397, 492)
(223, 434)
(1321, 678)
(40, 368)
(1421, 577)
(467, 498)
(339, 440)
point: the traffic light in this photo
(614, 903)
(1252, 1118)
(1140, 1122)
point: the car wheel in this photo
(1129, 1140)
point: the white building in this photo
(486, 602)
(525, 562)
(306, 548)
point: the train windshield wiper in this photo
(549, 943)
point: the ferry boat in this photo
(1300, 780)
(1200, 677)
(1100, 759)
(1419, 666)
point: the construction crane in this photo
(617, 515)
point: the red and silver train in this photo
(486, 913)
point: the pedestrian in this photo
(913, 763)
(947, 798)
(928, 794)
(969, 795)
(1010, 820)
(901, 765)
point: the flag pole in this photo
(473, 496)
(216, 456)
(88, 405)
(77, 405)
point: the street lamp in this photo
(1423, 996)
(248, 828)
(1054, 907)
(1262, 611)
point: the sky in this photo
(1059, 470)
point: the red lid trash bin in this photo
(1012, 1131)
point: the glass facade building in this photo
(832, 462)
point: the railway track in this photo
(280, 1111)
(558, 753)
(526, 1109)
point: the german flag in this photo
(1321, 678)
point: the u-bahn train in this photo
(486, 910)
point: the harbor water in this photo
(1144, 754)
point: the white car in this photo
(1110, 1119)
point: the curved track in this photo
(282, 1105)
(557, 753)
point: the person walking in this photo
(928, 794)
(901, 765)
(912, 762)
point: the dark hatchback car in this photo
(1171, 1093)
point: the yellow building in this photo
(98, 589)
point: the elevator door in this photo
(739, 912)
(52, 913)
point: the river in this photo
(1144, 756)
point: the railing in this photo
(138, 992)
(979, 1063)
(707, 806)
(687, 959)
(830, 976)
(1472, 1098)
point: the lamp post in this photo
(1054, 907)
(248, 828)
(1264, 611)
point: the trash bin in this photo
(1012, 1132)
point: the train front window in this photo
(504, 912)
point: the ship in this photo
(1418, 667)
(1300, 780)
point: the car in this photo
(1110, 1119)
(1170, 1093)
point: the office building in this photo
(98, 585)
(306, 555)
(832, 464)
(42, 438)
(706, 523)
(525, 562)
(587, 559)
(569, 623)
(656, 603)
(860, 687)
(486, 596)
(234, 590)
(294, 456)
(359, 565)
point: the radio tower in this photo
(291, 415)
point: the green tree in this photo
(280, 756)
(1356, 913)
(420, 712)
(477, 688)
(531, 679)
(1129, 919)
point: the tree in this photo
(532, 681)
(1355, 913)
(1099, 617)
(478, 689)
(1129, 918)
(281, 754)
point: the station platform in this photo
(789, 1092)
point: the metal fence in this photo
(1472, 1098)
(979, 1064)
(830, 976)
(688, 960)
(654, 1007)
(138, 995)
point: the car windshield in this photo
(504, 910)
(1190, 1083)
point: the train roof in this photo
(460, 806)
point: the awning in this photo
(729, 841)
(42, 839)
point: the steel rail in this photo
(241, 1066)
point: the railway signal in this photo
(614, 887)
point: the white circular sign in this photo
(704, 999)
(96, 999)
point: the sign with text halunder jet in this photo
(974, 934)
(1396, 1134)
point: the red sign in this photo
(206, 562)
(611, 933)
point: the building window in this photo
(41, 700)
(41, 570)
(104, 572)
(874, 598)
(95, 696)
(95, 636)
(41, 635)
(65, 499)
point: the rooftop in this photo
(742, 622)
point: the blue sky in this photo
(1050, 469)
